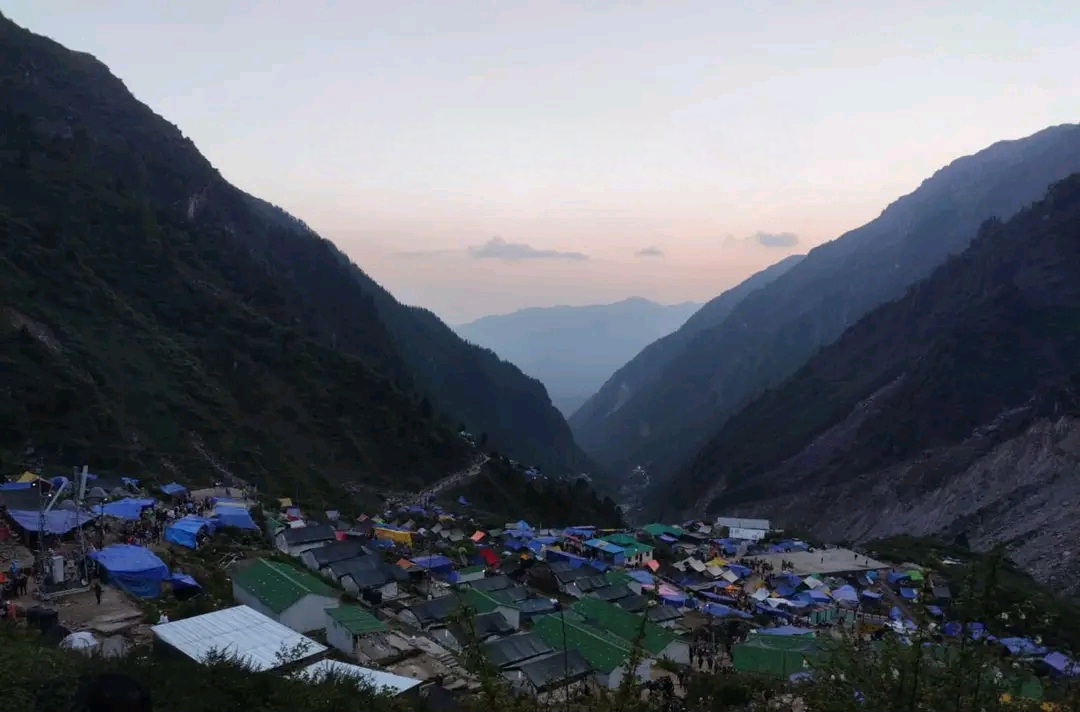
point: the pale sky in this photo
(477, 157)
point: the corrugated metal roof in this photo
(278, 585)
(356, 620)
(564, 665)
(624, 624)
(604, 653)
(394, 684)
(516, 648)
(239, 632)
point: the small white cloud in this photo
(650, 252)
(499, 249)
(775, 239)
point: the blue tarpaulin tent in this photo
(12, 486)
(127, 508)
(185, 531)
(173, 488)
(58, 521)
(846, 593)
(433, 563)
(234, 516)
(134, 569)
(908, 593)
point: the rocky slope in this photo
(573, 350)
(776, 329)
(954, 410)
(122, 210)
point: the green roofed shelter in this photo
(658, 529)
(289, 595)
(347, 625)
(657, 642)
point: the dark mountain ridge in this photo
(774, 330)
(946, 411)
(648, 366)
(574, 349)
(149, 305)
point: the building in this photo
(514, 650)
(607, 655)
(656, 641)
(366, 574)
(384, 682)
(635, 553)
(294, 541)
(241, 633)
(320, 558)
(605, 551)
(747, 529)
(433, 613)
(285, 594)
(346, 625)
(549, 672)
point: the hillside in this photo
(953, 410)
(648, 366)
(573, 350)
(107, 204)
(776, 329)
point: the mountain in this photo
(156, 318)
(646, 367)
(776, 329)
(955, 409)
(573, 350)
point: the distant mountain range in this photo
(155, 319)
(661, 416)
(573, 350)
(953, 410)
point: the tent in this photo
(234, 516)
(173, 488)
(128, 508)
(58, 521)
(82, 641)
(184, 586)
(135, 569)
(185, 531)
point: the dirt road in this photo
(447, 482)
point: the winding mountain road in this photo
(447, 482)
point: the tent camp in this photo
(129, 508)
(135, 569)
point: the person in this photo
(97, 591)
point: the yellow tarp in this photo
(28, 477)
(398, 537)
(285, 502)
(716, 562)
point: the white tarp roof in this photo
(739, 523)
(239, 632)
(376, 678)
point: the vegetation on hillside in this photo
(181, 305)
(502, 493)
(138, 341)
(996, 328)
(775, 330)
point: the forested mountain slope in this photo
(776, 329)
(155, 317)
(954, 409)
(648, 366)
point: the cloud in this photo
(650, 252)
(775, 239)
(499, 249)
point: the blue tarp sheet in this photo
(642, 577)
(433, 562)
(127, 508)
(719, 598)
(1022, 646)
(934, 611)
(895, 577)
(237, 517)
(12, 486)
(173, 488)
(908, 593)
(461, 500)
(871, 595)
(135, 569)
(58, 521)
(522, 525)
(185, 531)
(895, 613)
(846, 593)
(739, 570)
(786, 630)
(130, 481)
(179, 580)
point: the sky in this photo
(477, 157)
